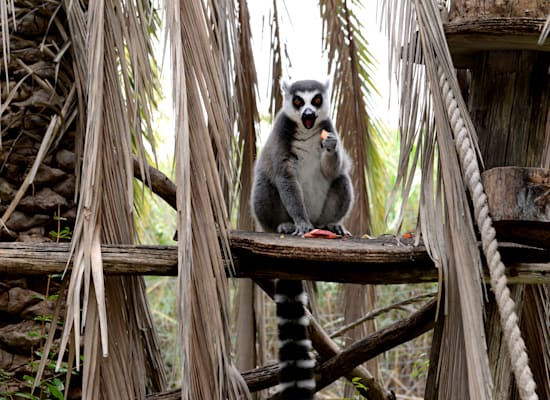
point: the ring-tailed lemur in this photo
(301, 182)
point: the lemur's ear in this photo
(285, 85)
(327, 83)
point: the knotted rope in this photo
(506, 306)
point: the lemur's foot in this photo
(338, 229)
(294, 229)
(286, 227)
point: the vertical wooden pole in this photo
(509, 101)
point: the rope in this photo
(506, 306)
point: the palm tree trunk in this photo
(40, 133)
(39, 88)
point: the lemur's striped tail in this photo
(296, 374)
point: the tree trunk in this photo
(38, 89)
(39, 128)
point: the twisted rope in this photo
(506, 306)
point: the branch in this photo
(378, 342)
(375, 313)
(159, 183)
(344, 363)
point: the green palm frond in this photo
(353, 94)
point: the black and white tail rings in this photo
(296, 365)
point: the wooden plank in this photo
(259, 255)
(374, 261)
(508, 102)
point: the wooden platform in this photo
(469, 37)
(384, 260)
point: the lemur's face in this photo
(306, 102)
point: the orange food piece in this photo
(407, 235)
(321, 234)
(324, 134)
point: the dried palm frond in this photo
(536, 319)
(247, 122)
(418, 49)
(202, 163)
(112, 52)
(246, 84)
(353, 93)
(6, 7)
(545, 31)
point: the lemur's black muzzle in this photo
(308, 118)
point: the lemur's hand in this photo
(330, 142)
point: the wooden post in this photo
(509, 100)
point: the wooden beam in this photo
(259, 255)
(51, 258)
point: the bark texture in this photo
(40, 80)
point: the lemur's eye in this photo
(317, 100)
(298, 101)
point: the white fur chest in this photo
(314, 184)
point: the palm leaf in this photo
(545, 31)
(352, 92)
(246, 84)
(424, 126)
(247, 122)
(202, 164)
(6, 7)
(115, 81)
(277, 53)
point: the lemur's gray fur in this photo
(301, 181)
